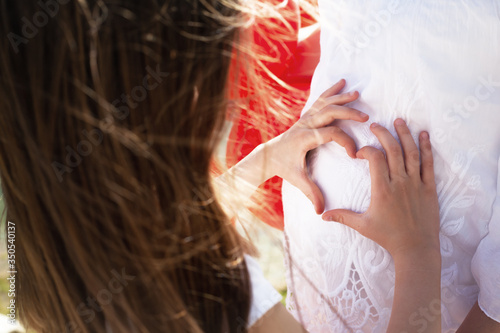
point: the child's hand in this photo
(287, 152)
(403, 216)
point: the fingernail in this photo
(328, 218)
(373, 125)
(399, 122)
(425, 135)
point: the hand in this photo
(287, 152)
(403, 216)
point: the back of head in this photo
(110, 114)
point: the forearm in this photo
(477, 321)
(253, 170)
(417, 301)
(248, 174)
(285, 155)
(238, 184)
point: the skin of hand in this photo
(285, 155)
(403, 217)
(287, 152)
(404, 212)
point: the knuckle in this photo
(429, 191)
(349, 145)
(331, 99)
(322, 99)
(394, 149)
(427, 164)
(414, 156)
(312, 111)
(335, 130)
(331, 108)
(378, 155)
(401, 180)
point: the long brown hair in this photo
(110, 112)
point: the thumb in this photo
(312, 191)
(346, 217)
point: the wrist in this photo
(253, 170)
(267, 150)
(417, 259)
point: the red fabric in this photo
(256, 125)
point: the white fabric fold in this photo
(436, 64)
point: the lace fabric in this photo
(433, 64)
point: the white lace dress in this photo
(436, 64)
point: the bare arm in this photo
(285, 155)
(277, 320)
(478, 322)
(417, 303)
(403, 217)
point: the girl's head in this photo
(111, 110)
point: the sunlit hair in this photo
(267, 103)
(110, 115)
